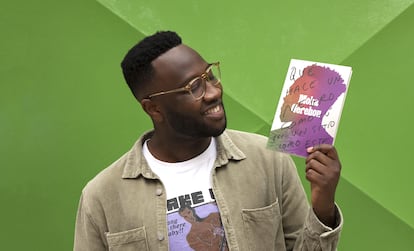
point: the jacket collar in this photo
(137, 165)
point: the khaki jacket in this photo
(261, 200)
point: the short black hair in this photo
(136, 65)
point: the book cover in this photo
(309, 107)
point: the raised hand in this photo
(323, 170)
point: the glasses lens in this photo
(197, 87)
(214, 75)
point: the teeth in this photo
(213, 110)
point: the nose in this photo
(213, 91)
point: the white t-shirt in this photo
(193, 219)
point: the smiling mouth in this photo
(215, 109)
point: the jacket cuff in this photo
(327, 236)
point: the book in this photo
(310, 106)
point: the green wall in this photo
(66, 113)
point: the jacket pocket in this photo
(263, 227)
(134, 239)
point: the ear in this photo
(152, 109)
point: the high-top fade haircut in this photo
(136, 65)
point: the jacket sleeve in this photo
(302, 229)
(87, 236)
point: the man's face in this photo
(289, 100)
(182, 113)
(188, 215)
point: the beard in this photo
(187, 125)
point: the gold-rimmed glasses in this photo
(197, 86)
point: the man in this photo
(191, 159)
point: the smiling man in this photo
(189, 160)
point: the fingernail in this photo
(309, 149)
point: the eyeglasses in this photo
(197, 86)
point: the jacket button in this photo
(160, 236)
(158, 192)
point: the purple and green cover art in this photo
(310, 106)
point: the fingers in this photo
(323, 161)
(315, 166)
(314, 174)
(328, 150)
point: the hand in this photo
(323, 169)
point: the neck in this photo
(177, 149)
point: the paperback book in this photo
(310, 106)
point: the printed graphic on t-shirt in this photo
(194, 224)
